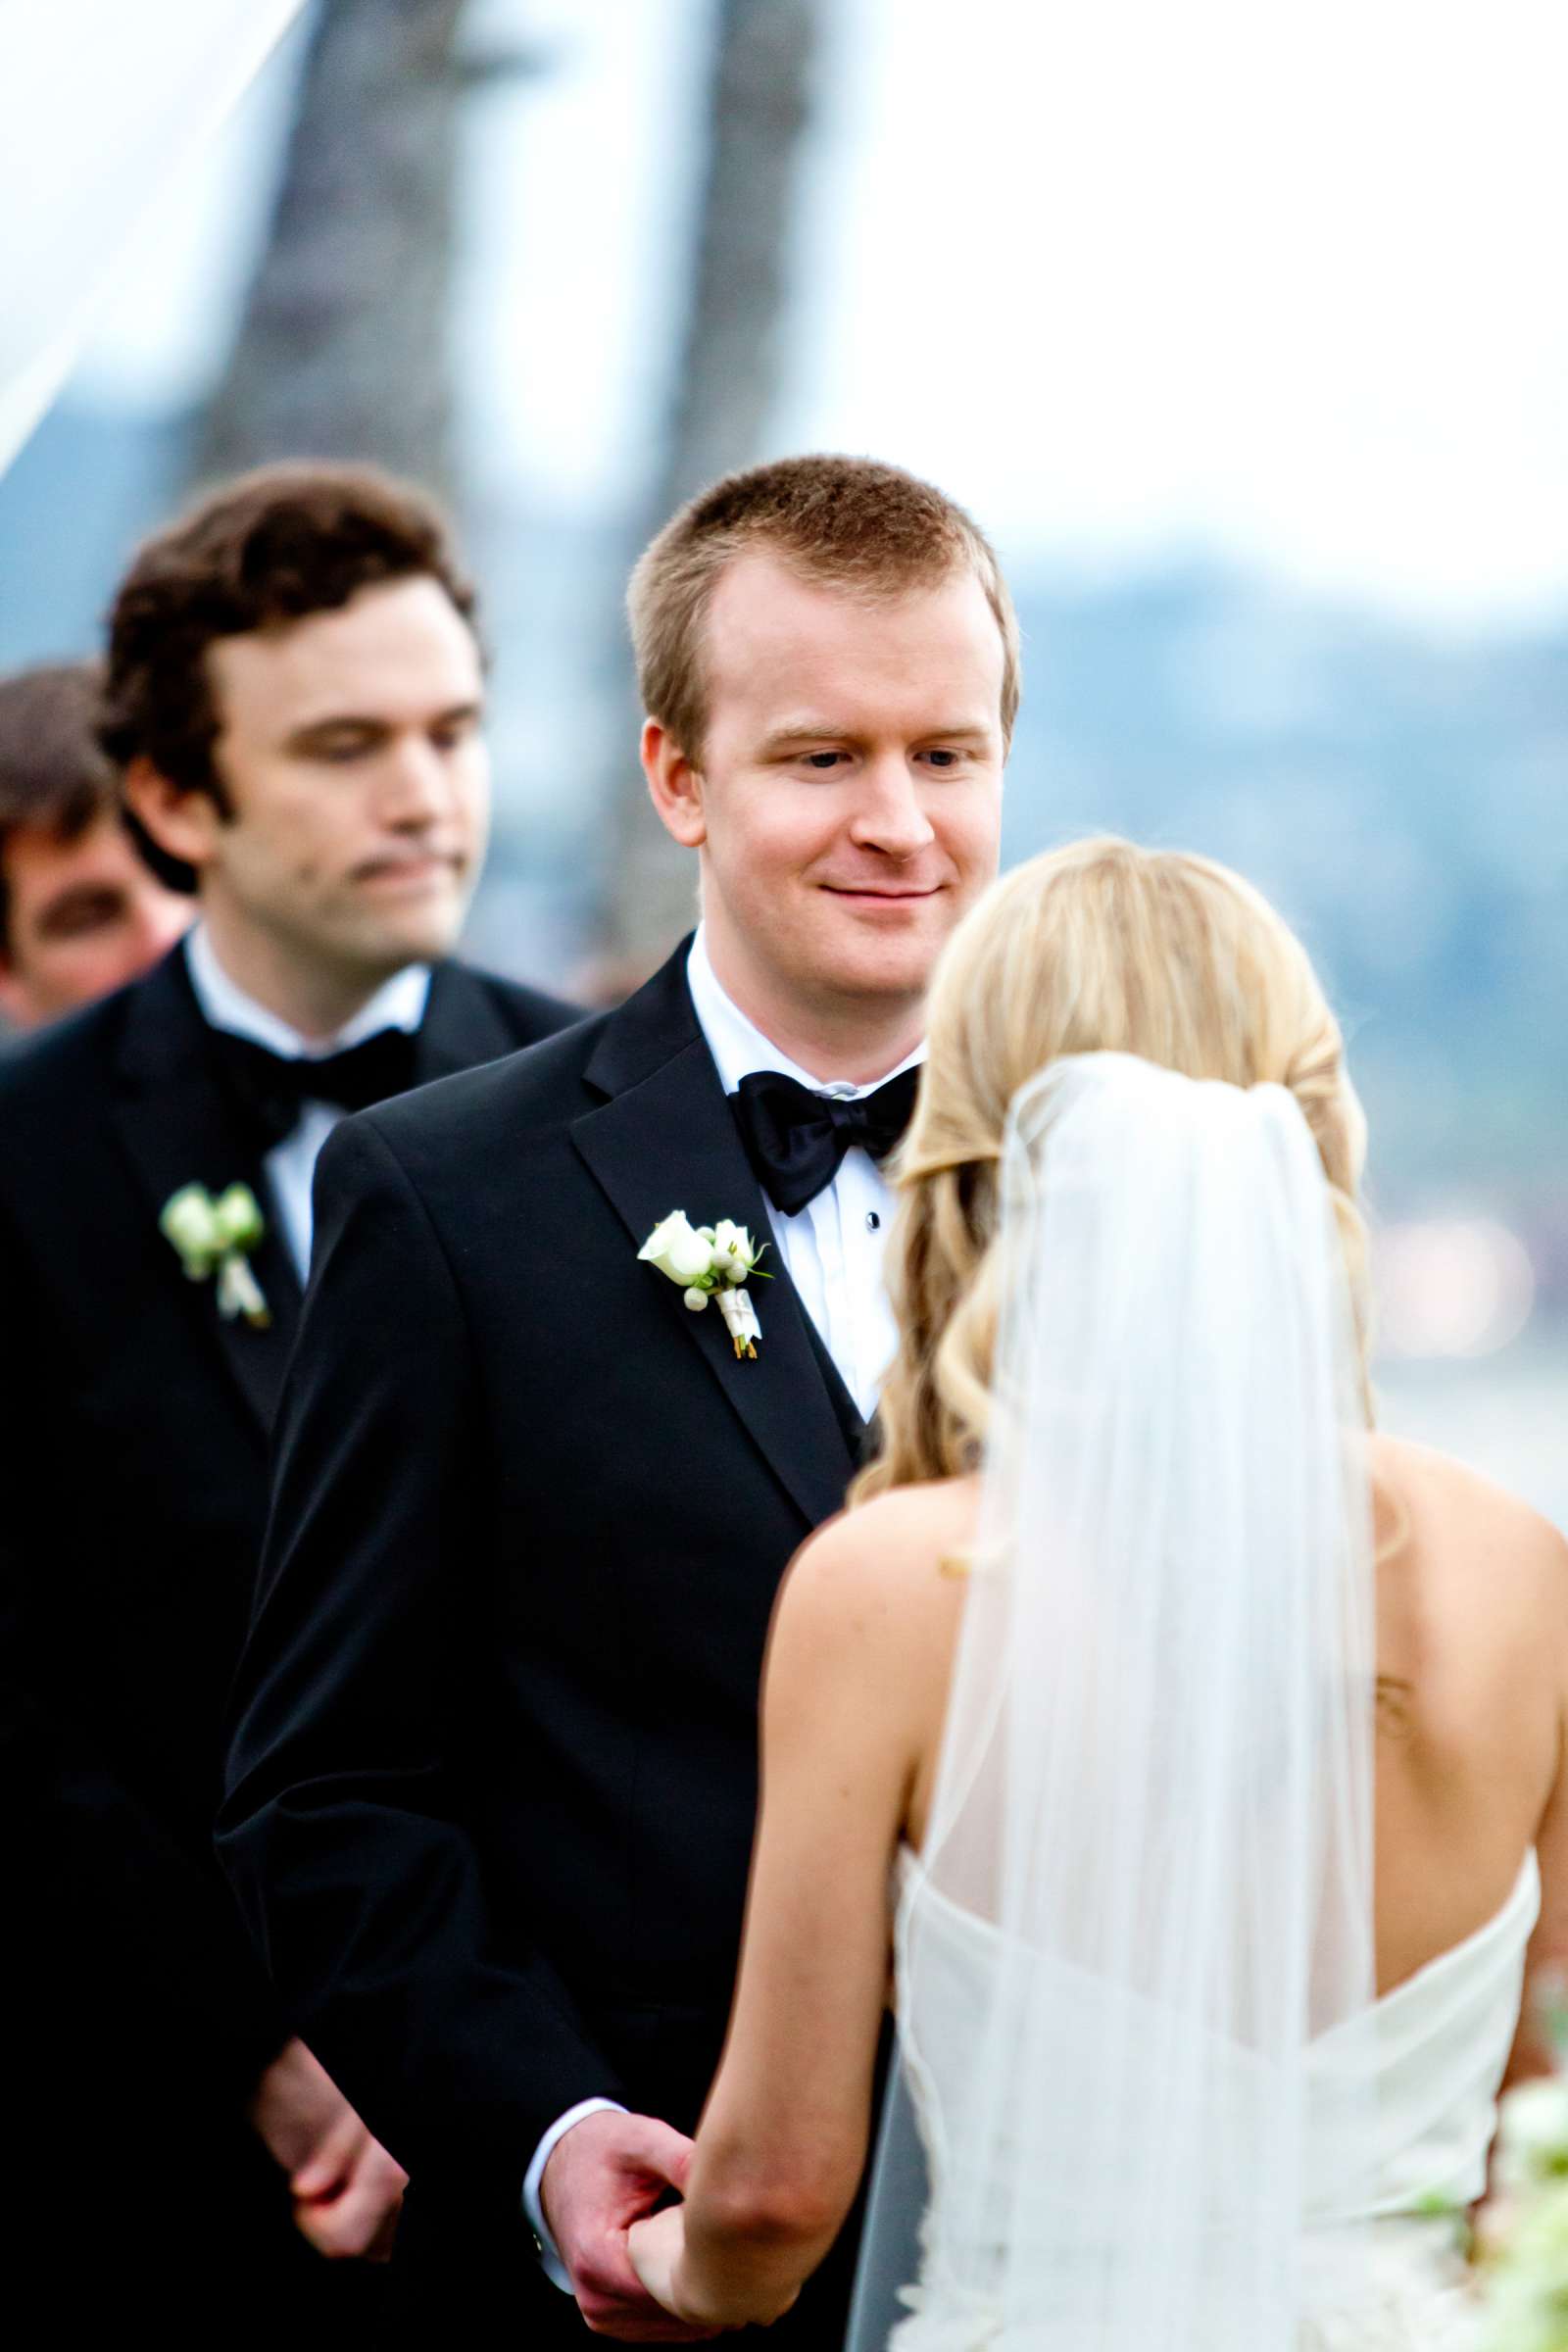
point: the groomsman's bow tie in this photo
(274, 1087)
(797, 1138)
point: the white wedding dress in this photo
(1442, 2042)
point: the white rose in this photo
(1532, 2134)
(734, 1252)
(238, 1217)
(677, 1251)
(1527, 2282)
(190, 1222)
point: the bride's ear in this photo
(675, 786)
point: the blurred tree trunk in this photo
(727, 382)
(342, 348)
(758, 114)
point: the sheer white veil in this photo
(1153, 1804)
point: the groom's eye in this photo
(944, 759)
(823, 762)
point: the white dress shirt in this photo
(291, 1166)
(833, 1251)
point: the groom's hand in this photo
(606, 2173)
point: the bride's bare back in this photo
(1472, 1597)
(1472, 1594)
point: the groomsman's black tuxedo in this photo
(134, 1429)
(494, 1775)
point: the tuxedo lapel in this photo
(853, 1427)
(180, 1127)
(667, 1139)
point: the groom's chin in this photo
(884, 948)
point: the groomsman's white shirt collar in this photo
(291, 1166)
(833, 1251)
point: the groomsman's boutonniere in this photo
(711, 1262)
(215, 1237)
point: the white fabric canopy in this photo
(104, 104)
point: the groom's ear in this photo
(675, 786)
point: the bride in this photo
(1210, 1744)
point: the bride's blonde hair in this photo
(1101, 946)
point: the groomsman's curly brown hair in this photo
(850, 523)
(257, 552)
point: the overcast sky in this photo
(1132, 279)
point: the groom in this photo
(493, 1776)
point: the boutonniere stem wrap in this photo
(710, 1263)
(215, 1237)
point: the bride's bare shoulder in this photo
(898, 1557)
(1454, 1506)
(902, 1530)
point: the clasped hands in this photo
(601, 2192)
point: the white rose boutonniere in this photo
(215, 1237)
(711, 1262)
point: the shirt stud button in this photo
(874, 1223)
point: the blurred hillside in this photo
(1404, 798)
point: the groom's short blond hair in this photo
(849, 524)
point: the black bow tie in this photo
(796, 1139)
(271, 1088)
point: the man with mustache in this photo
(293, 700)
(494, 1773)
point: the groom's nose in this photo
(889, 816)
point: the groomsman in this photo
(494, 1771)
(81, 913)
(294, 704)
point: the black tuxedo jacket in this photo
(133, 1428)
(494, 1771)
